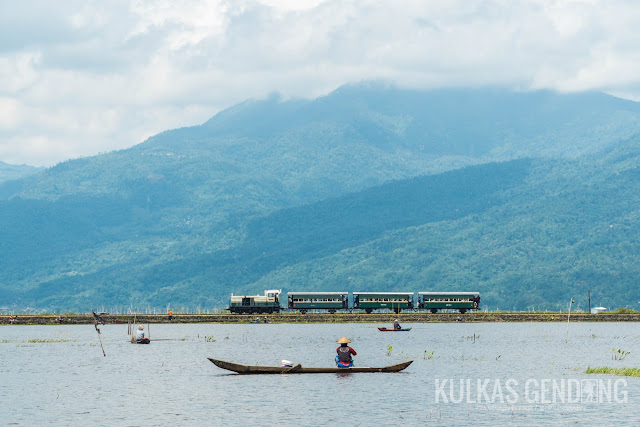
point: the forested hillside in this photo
(529, 198)
(567, 228)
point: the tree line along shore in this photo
(81, 319)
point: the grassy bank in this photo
(627, 372)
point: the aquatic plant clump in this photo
(627, 372)
(619, 354)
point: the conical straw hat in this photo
(343, 340)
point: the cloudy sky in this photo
(80, 77)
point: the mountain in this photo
(369, 187)
(10, 172)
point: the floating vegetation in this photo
(428, 354)
(476, 359)
(33, 341)
(619, 354)
(627, 372)
(389, 350)
(209, 339)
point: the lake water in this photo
(478, 373)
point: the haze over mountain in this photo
(10, 172)
(367, 188)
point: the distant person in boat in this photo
(170, 315)
(344, 359)
(140, 333)
(396, 324)
(266, 320)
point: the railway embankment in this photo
(413, 317)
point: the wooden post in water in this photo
(589, 294)
(133, 327)
(569, 315)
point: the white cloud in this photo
(87, 77)
(8, 114)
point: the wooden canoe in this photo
(394, 330)
(298, 369)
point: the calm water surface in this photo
(171, 382)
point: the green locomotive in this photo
(246, 304)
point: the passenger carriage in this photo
(394, 301)
(461, 301)
(330, 301)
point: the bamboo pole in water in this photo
(100, 338)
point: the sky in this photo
(83, 77)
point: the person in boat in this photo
(266, 320)
(344, 359)
(140, 333)
(396, 324)
(170, 315)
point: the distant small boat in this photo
(298, 369)
(394, 330)
(141, 341)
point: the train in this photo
(247, 304)
(369, 302)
